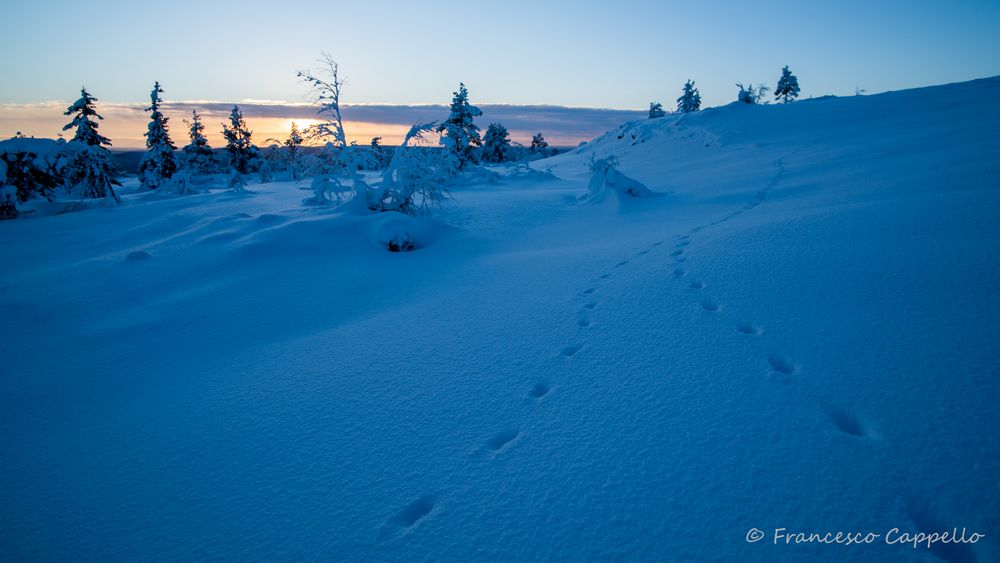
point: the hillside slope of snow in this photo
(799, 333)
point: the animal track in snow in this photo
(498, 442)
(749, 328)
(137, 255)
(781, 365)
(590, 305)
(696, 285)
(571, 350)
(589, 290)
(622, 263)
(677, 252)
(710, 306)
(605, 276)
(679, 272)
(583, 323)
(847, 423)
(539, 390)
(415, 511)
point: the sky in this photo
(580, 54)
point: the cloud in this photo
(125, 123)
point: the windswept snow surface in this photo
(801, 333)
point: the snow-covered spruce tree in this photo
(198, 156)
(750, 95)
(539, 145)
(496, 144)
(379, 154)
(89, 170)
(158, 164)
(690, 100)
(293, 152)
(340, 156)
(460, 133)
(240, 148)
(788, 86)
(656, 110)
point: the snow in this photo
(800, 332)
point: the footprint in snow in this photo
(414, 512)
(710, 306)
(571, 350)
(781, 365)
(539, 390)
(501, 440)
(137, 255)
(696, 285)
(750, 328)
(847, 423)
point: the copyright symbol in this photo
(754, 535)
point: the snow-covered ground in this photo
(801, 334)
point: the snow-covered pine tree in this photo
(539, 145)
(199, 156)
(240, 147)
(379, 154)
(788, 86)
(690, 100)
(89, 169)
(293, 150)
(496, 143)
(158, 164)
(656, 110)
(460, 133)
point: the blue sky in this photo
(589, 54)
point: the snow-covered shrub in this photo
(29, 169)
(750, 95)
(158, 163)
(8, 201)
(606, 178)
(417, 177)
(181, 183)
(656, 110)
